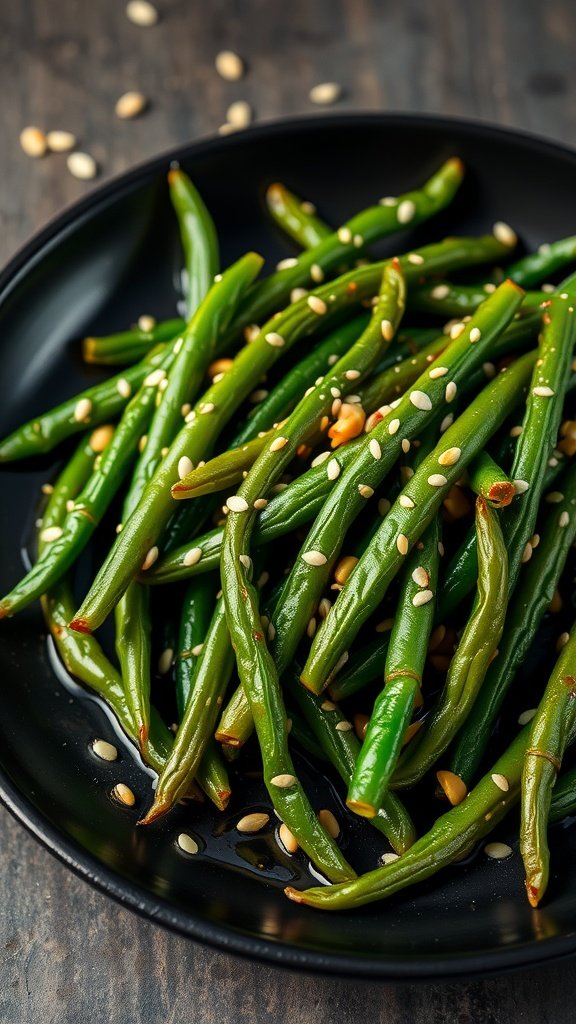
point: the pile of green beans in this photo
(418, 469)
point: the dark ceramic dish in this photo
(95, 269)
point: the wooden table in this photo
(70, 954)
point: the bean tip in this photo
(362, 808)
(502, 493)
(293, 894)
(80, 625)
(533, 893)
(158, 809)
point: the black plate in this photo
(96, 268)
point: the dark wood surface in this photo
(67, 953)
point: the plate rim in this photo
(64, 847)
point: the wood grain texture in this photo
(69, 955)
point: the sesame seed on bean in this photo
(236, 503)
(422, 597)
(402, 543)
(406, 211)
(315, 558)
(437, 480)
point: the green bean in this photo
(336, 738)
(312, 266)
(531, 270)
(69, 540)
(127, 347)
(295, 217)
(407, 652)
(487, 479)
(236, 723)
(199, 239)
(365, 665)
(255, 665)
(414, 411)
(447, 299)
(533, 449)
(550, 732)
(82, 656)
(476, 649)
(563, 797)
(89, 408)
(197, 609)
(212, 675)
(451, 837)
(402, 527)
(132, 641)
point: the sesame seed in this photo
(327, 705)
(440, 291)
(329, 822)
(239, 114)
(527, 716)
(406, 211)
(298, 293)
(124, 794)
(420, 400)
(415, 259)
(51, 533)
(278, 443)
(501, 781)
(344, 235)
(333, 469)
(104, 750)
(562, 641)
(375, 449)
(489, 287)
(317, 305)
(553, 462)
(320, 459)
(438, 371)
(185, 466)
(344, 726)
(498, 851)
(288, 840)
(314, 558)
(422, 597)
(437, 480)
(564, 519)
(311, 627)
(451, 389)
(440, 549)
(405, 501)
(387, 328)
(251, 332)
(504, 233)
(388, 201)
(260, 503)
(316, 273)
(236, 503)
(70, 505)
(82, 410)
(324, 607)
(151, 557)
(520, 486)
(543, 392)
(388, 858)
(192, 556)
(358, 241)
(325, 93)
(489, 370)
(456, 330)
(229, 65)
(406, 472)
(405, 445)
(446, 422)
(402, 543)
(286, 264)
(33, 142)
(385, 626)
(165, 661)
(365, 491)
(153, 379)
(393, 426)
(554, 497)
(246, 561)
(450, 456)
(252, 822)
(206, 408)
(197, 650)
(283, 781)
(187, 844)
(383, 506)
(352, 374)
(82, 166)
(420, 576)
(516, 431)
(335, 392)
(274, 339)
(124, 387)
(47, 489)
(527, 553)
(129, 105)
